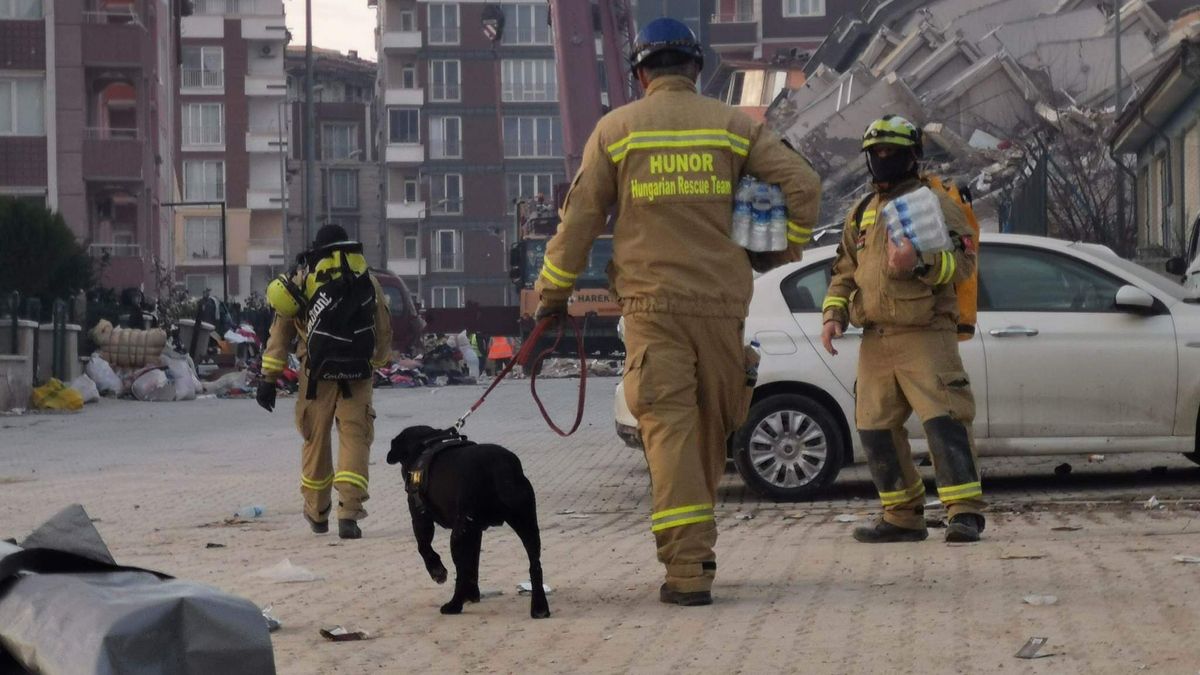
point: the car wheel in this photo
(790, 447)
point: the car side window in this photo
(804, 291)
(1022, 279)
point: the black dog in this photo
(467, 488)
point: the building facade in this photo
(467, 127)
(233, 146)
(346, 184)
(87, 123)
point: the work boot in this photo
(318, 526)
(883, 532)
(964, 528)
(348, 529)
(682, 598)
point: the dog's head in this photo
(407, 445)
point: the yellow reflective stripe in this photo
(549, 276)
(562, 274)
(315, 484)
(868, 218)
(834, 301)
(957, 492)
(351, 478)
(798, 229)
(679, 523)
(798, 234)
(710, 143)
(682, 509)
(798, 240)
(272, 365)
(688, 138)
(949, 266)
(680, 133)
(901, 496)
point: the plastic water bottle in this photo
(741, 212)
(779, 220)
(760, 227)
(753, 357)
(918, 216)
(248, 512)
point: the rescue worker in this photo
(500, 352)
(670, 163)
(347, 403)
(909, 358)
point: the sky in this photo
(338, 24)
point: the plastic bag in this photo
(54, 395)
(86, 388)
(106, 379)
(179, 370)
(153, 385)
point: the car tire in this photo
(790, 448)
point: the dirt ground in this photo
(794, 593)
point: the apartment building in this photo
(347, 190)
(87, 122)
(232, 103)
(467, 127)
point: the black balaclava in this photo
(896, 167)
(330, 234)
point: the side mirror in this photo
(1134, 299)
(1177, 266)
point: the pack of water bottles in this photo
(760, 219)
(918, 216)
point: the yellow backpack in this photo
(966, 290)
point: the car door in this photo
(804, 292)
(1062, 360)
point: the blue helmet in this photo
(665, 35)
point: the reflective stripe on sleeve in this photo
(683, 515)
(556, 276)
(834, 301)
(868, 218)
(954, 493)
(797, 234)
(900, 496)
(949, 266)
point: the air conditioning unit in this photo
(267, 51)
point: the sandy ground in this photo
(794, 592)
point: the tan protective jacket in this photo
(670, 163)
(864, 292)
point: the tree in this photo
(39, 255)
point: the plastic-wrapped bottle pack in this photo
(917, 216)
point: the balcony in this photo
(733, 27)
(264, 28)
(112, 154)
(407, 153)
(402, 39)
(266, 85)
(238, 7)
(398, 96)
(405, 210)
(264, 251)
(115, 250)
(406, 267)
(263, 200)
(744, 15)
(265, 141)
(202, 81)
(112, 43)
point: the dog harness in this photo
(414, 480)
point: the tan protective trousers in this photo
(684, 381)
(355, 420)
(921, 371)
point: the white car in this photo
(1076, 351)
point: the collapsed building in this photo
(996, 85)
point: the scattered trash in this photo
(273, 624)
(1097, 459)
(1022, 556)
(1063, 469)
(1190, 559)
(106, 379)
(54, 395)
(566, 512)
(846, 518)
(744, 516)
(525, 588)
(1066, 528)
(286, 573)
(881, 584)
(214, 545)
(86, 388)
(153, 385)
(490, 593)
(935, 523)
(579, 516)
(340, 634)
(796, 516)
(1041, 600)
(247, 512)
(1032, 647)
(1152, 503)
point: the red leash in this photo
(523, 356)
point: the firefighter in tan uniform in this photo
(669, 163)
(909, 361)
(322, 403)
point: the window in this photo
(404, 125)
(408, 248)
(22, 107)
(203, 68)
(445, 137)
(20, 9)
(343, 189)
(198, 283)
(447, 251)
(529, 185)
(528, 80)
(411, 194)
(527, 24)
(202, 236)
(804, 291)
(449, 297)
(447, 194)
(212, 7)
(444, 79)
(532, 137)
(408, 76)
(443, 24)
(203, 125)
(736, 84)
(1027, 280)
(804, 7)
(408, 21)
(773, 83)
(204, 180)
(339, 141)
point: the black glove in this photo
(555, 312)
(266, 395)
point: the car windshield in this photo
(1151, 277)
(395, 298)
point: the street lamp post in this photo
(224, 247)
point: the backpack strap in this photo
(861, 209)
(415, 480)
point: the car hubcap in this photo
(788, 449)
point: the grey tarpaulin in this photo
(122, 622)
